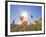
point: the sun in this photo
(25, 14)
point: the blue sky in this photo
(16, 10)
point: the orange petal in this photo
(24, 23)
(21, 17)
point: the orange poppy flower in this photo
(21, 17)
(24, 23)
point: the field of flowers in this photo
(24, 27)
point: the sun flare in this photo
(24, 14)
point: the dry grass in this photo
(30, 27)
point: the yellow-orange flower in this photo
(24, 23)
(21, 17)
